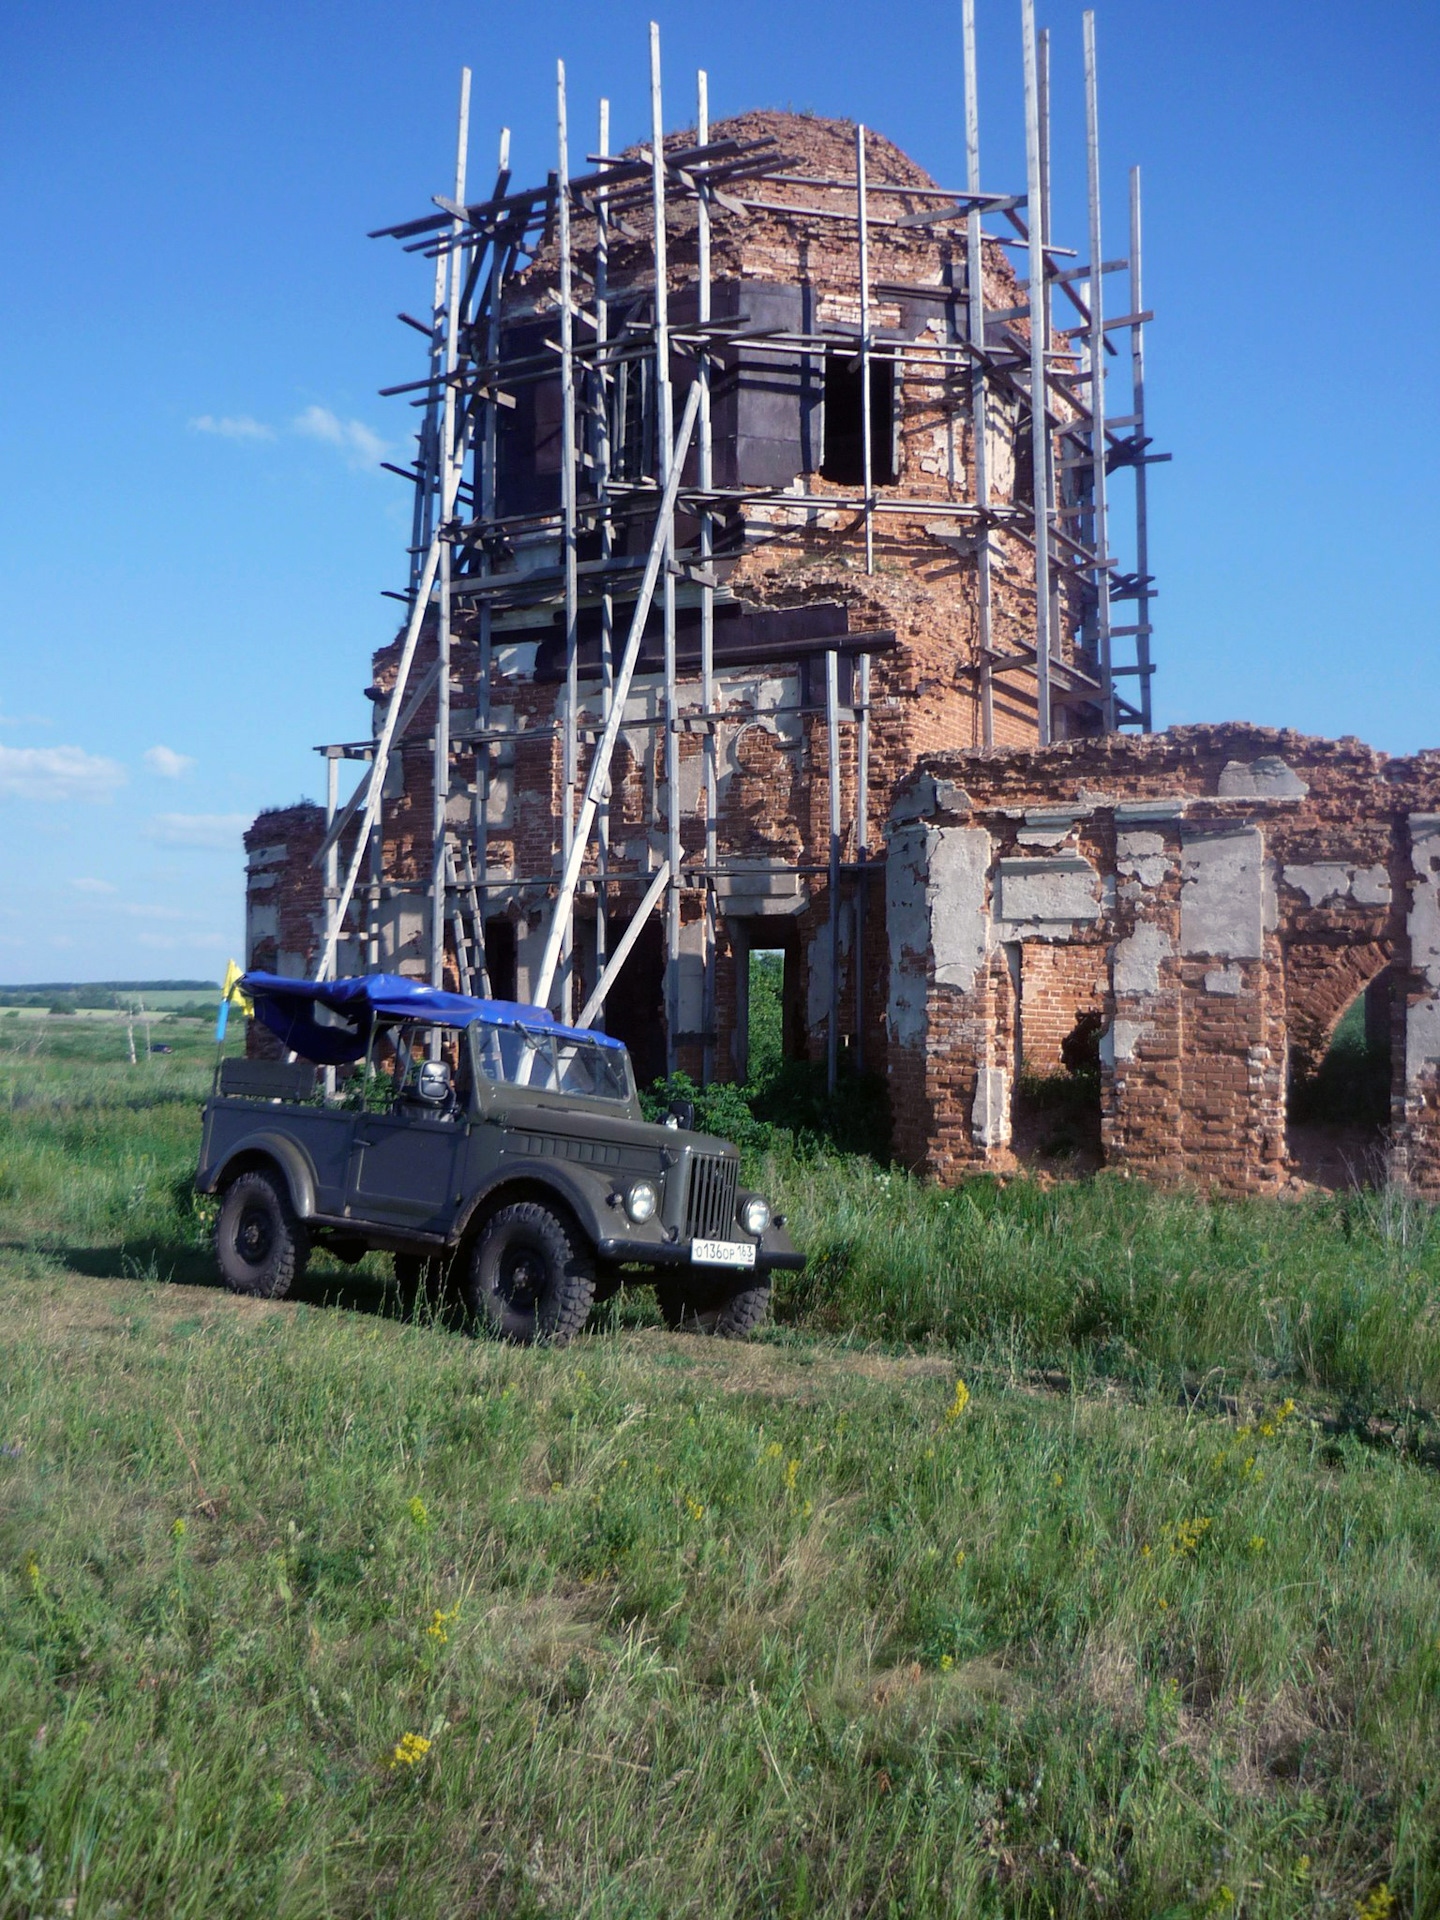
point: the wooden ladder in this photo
(467, 918)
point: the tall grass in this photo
(307, 1610)
(1339, 1294)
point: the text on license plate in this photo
(723, 1253)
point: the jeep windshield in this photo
(553, 1063)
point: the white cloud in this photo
(232, 426)
(58, 774)
(24, 720)
(166, 762)
(211, 830)
(83, 883)
(137, 910)
(353, 438)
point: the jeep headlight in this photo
(755, 1216)
(641, 1201)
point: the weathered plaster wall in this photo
(1222, 892)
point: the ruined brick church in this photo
(869, 716)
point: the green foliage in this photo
(767, 980)
(366, 1092)
(1351, 1086)
(786, 1104)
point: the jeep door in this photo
(403, 1163)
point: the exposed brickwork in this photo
(1057, 985)
(1230, 888)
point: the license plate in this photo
(723, 1253)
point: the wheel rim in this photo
(521, 1279)
(255, 1236)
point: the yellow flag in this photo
(231, 991)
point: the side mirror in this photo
(432, 1083)
(681, 1114)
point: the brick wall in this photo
(1230, 889)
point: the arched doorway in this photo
(1338, 1090)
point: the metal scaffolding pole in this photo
(332, 871)
(866, 426)
(665, 429)
(979, 385)
(600, 453)
(1096, 302)
(1039, 427)
(1137, 408)
(660, 544)
(705, 477)
(862, 735)
(567, 531)
(485, 457)
(449, 480)
(611, 974)
(832, 878)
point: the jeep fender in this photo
(291, 1160)
(582, 1203)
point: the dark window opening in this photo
(843, 459)
(812, 680)
(632, 421)
(1024, 459)
(500, 957)
(635, 1005)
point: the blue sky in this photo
(194, 535)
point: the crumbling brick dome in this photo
(813, 168)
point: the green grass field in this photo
(1070, 1551)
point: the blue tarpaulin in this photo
(288, 1007)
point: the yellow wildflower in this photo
(408, 1749)
(31, 1570)
(177, 1531)
(792, 1474)
(418, 1512)
(438, 1628)
(1186, 1535)
(1377, 1904)
(774, 1450)
(960, 1557)
(958, 1405)
(1057, 1479)
(1257, 1543)
(694, 1508)
(947, 1661)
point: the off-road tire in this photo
(261, 1245)
(532, 1276)
(726, 1309)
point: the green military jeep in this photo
(482, 1144)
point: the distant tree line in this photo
(66, 996)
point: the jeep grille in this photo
(710, 1204)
